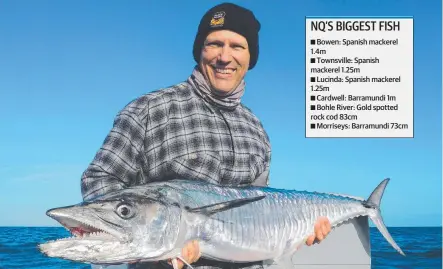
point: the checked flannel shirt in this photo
(175, 133)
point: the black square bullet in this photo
(312, 60)
(312, 97)
(312, 126)
(312, 41)
(312, 107)
(312, 79)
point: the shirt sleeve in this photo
(263, 179)
(120, 157)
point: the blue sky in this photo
(67, 68)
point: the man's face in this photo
(224, 60)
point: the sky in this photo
(67, 68)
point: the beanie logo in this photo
(218, 19)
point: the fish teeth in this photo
(89, 225)
(82, 236)
(97, 233)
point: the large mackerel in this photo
(233, 224)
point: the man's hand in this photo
(190, 253)
(321, 230)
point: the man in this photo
(197, 129)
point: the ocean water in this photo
(423, 246)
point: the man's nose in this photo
(225, 54)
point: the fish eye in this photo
(125, 211)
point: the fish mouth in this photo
(92, 240)
(83, 231)
(85, 228)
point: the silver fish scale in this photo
(272, 226)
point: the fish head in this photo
(127, 228)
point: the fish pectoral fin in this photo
(223, 206)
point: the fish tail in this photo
(373, 202)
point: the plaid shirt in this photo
(175, 133)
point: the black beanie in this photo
(231, 17)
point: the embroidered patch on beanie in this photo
(218, 20)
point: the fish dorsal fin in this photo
(209, 210)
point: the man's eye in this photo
(214, 44)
